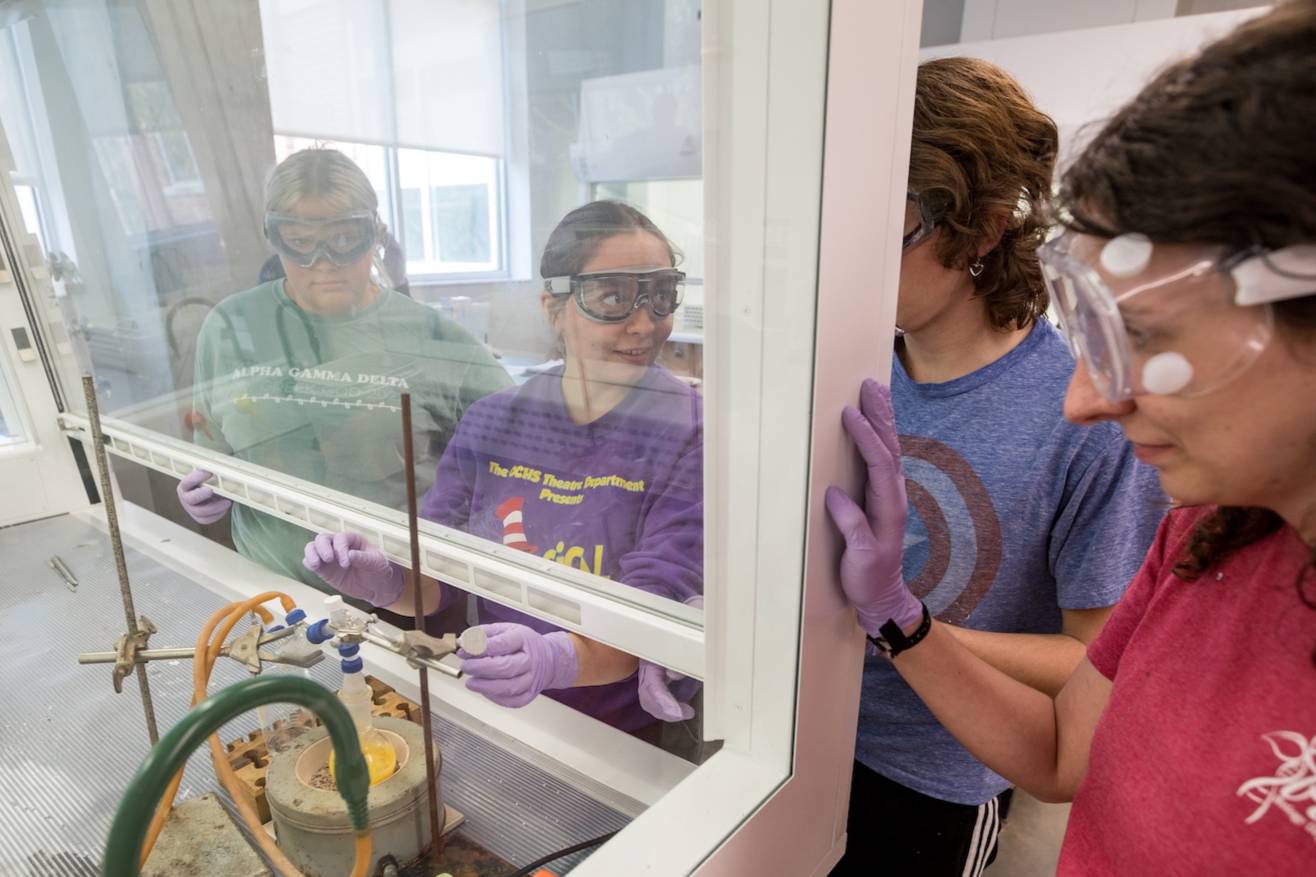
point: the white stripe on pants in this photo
(985, 832)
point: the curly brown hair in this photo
(1216, 150)
(982, 153)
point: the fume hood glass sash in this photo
(424, 74)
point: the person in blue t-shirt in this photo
(1022, 527)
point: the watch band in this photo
(891, 640)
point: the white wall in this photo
(998, 19)
(1083, 76)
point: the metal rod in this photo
(179, 653)
(396, 647)
(62, 568)
(116, 544)
(142, 656)
(413, 528)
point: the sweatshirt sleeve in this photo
(668, 556)
(448, 501)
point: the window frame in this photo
(781, 617)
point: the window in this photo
(421, 84)
(458, 201)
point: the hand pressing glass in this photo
(871, 574)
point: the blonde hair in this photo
(323, 174)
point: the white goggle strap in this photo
(557, 285)
(1276, 276)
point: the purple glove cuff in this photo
(566, 663)
(907, 616)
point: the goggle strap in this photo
(1274, 276)
(272, 219)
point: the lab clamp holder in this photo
(248, 649)
(343, 627)
(347, 627)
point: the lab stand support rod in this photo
(116, 544)
(413, 529)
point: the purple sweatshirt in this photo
(621, 497)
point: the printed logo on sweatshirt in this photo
(314, 388)
(958, 552)
(564, 491)
(511, 513)
(1291, 790)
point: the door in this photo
(37, 466)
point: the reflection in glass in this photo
(302, 374)
(595, 463)
(471, 128)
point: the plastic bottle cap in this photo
(1166, 373)
(333, 601)
(1126, 255)
(474, 641)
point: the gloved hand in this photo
(519, 662)
(655, 696)
(354, 567)
(871, 574)
(199, 500)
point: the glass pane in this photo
(260, 258)
(270, 220)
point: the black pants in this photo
(895, 831)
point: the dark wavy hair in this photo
(1218, 149)
(577, 236)
(982, 152)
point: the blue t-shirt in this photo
(1014, 514)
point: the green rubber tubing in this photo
(128, 831)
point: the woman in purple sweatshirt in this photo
(597, 464)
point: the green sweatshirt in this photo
(317, 398)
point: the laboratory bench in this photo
(71, 744)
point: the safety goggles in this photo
(340, 239)
(920, 220)
(1168, 320)
(612, 296)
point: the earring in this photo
(976, 268)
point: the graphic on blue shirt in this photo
(953, 537)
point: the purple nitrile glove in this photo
(354, 567)
(199, 501)
(519, 662)
(871, 574)
(655, 696)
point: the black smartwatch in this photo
(891, 640)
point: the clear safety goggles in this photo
(340, 239)
(920, 220)
(612, 296)
(1168, 320)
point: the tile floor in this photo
(1030, 841)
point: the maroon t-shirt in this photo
(1204, 761)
